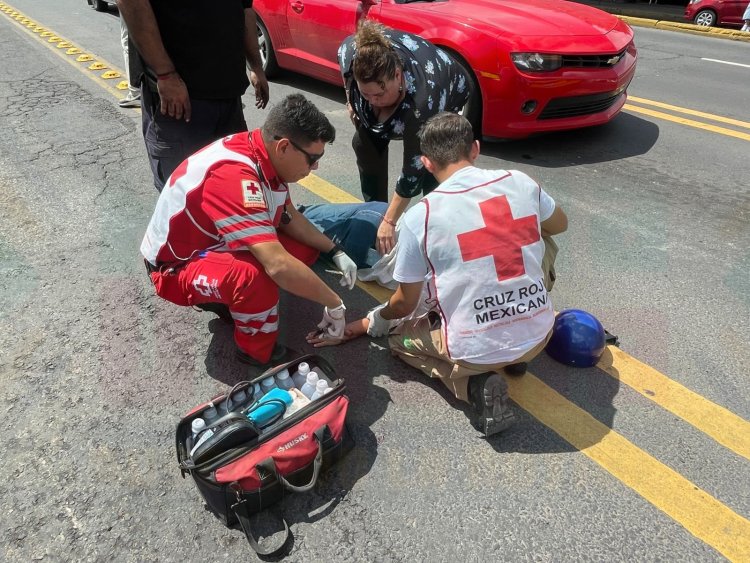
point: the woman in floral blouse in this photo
(394, 82)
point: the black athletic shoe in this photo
(279, 353)
(219, 309)
(516, 369)
(488, 393)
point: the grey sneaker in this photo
(488, 394)
(130, 101)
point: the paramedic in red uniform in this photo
(482, 241)
(225, 236)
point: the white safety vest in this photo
(484, 247)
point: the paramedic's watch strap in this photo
(329, 255)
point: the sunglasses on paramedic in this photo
(311, 158)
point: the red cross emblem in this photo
(502, 237)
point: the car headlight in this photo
(536, 62)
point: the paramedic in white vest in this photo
(481, 241)
(225, 236)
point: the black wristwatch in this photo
(329, 255)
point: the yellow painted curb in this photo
(732, 34)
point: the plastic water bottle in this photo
(257, 391)
(283, 381)
(237, 400)
(320, 389)
(309, 387)
(267, 384)
(198, 425)
(300, 376)
(210, 415)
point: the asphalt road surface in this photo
(644, 457)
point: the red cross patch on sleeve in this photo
(252, 194)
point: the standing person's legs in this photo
(134, 94)
(170, 141)
(353, 226)
(372, 162)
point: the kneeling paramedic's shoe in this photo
(219, 309)
(279, 353)
(516, 369)
(488, 394)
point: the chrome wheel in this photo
(705, 18)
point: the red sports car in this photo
(538, 65)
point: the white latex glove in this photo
(378, 325)
(334, 321)
(347, 267)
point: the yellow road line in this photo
(700, 513)
(724, 426)
(327, 191)
(694, 509)
(686, 111)
(68, 52)
(689, 122)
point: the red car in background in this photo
(716, 12)
(537, 65)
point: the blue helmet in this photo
(577, 339)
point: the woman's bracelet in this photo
(386, 220)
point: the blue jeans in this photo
(353, 226)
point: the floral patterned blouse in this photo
(434, 83)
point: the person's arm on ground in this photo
(144, 31)
(556, 223)
(252, 53)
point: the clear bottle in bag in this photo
(309, 387)
(320, 389)
(283, 381)
(267, 384)
(300, 376)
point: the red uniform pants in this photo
(239, 281)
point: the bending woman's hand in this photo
(386, 238)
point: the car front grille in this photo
(575, 106)
(592, 61)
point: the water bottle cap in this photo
(282, 375)
(321, 385)
(312, 378)
(268, 381)
(210, 413)
(198, 424)
(240, 395)
(303, 368)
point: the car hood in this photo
(539, 18)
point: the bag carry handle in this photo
(243, 516)
(270, 466)
(240, 507)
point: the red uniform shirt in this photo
(226, 196)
